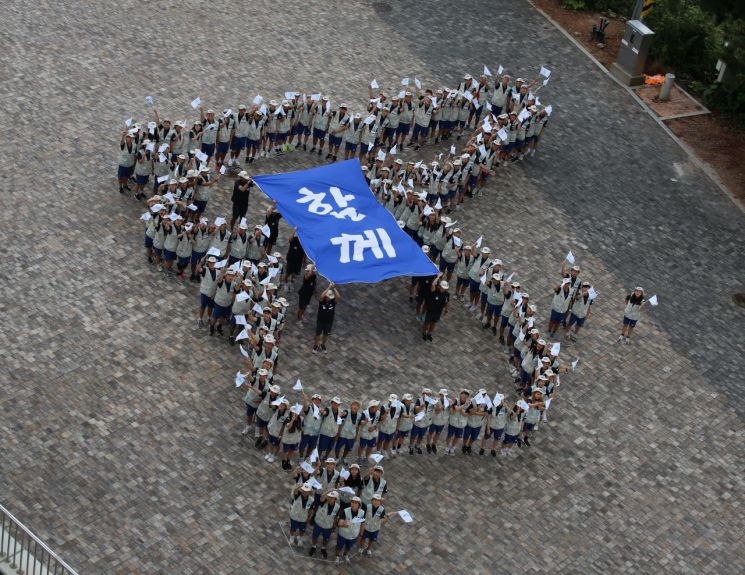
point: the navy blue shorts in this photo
(141, 180)
(494, 433)
(343, 543)
(148, 242)
(508, 439)
(222, 147)
(347, 442)
(297, 526)
(350, 147)
(455, 431)
(287, 447)
(300, 129)
(323, 531)
(124, 172)
(528, 426)
(219, 311)
(250, 410)
(629, 322)
(471, 433)
(403, 128)
(232, 259)
(195, 257)
(446, 125)
(183, 261)
(261, 423)
(252, 144)
(205, 301)
(371, 535)
(524, 376)
(308, 441)
(365, 443)
(237, 144)
(445, 266)
(383, 436)
(433, 428)
(519, 144)
(557, 316)
(273, 440)
(505, 320)
(400, 433)
(493, 308)
(460, 123)
(319, 134)
(201, 205)
(461, 282)
(472, 180)
(482, 298)
(474, 286)
(325, 443)
(507, 147)
(272, 136)
(282, 136)
(208, 149)
(496, 110)
(334, 140)
(418, 432)
(420, 131)
(168, 255)
(580, 321)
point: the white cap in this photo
(444, 284)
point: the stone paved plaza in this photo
(120, 427)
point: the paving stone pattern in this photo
(120, 427)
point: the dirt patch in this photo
(719, 144)
(679, 102)
(579, 25)
(711, 137)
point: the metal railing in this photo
(24, 552)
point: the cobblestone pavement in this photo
(120, 427)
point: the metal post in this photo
(636, 14)
(15, 547)
(666, 87)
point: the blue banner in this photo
(343, 228)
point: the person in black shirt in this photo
(294, 259)
(423, 286)
(272, 220)
(307, 290)
(436, 304)
(325, 320)
(241, 190)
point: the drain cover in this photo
(739, 299)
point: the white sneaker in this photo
(266, 456)
(338, 559)
(472, 308)
(346, 558)
(246, 430)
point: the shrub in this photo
(686, 38)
